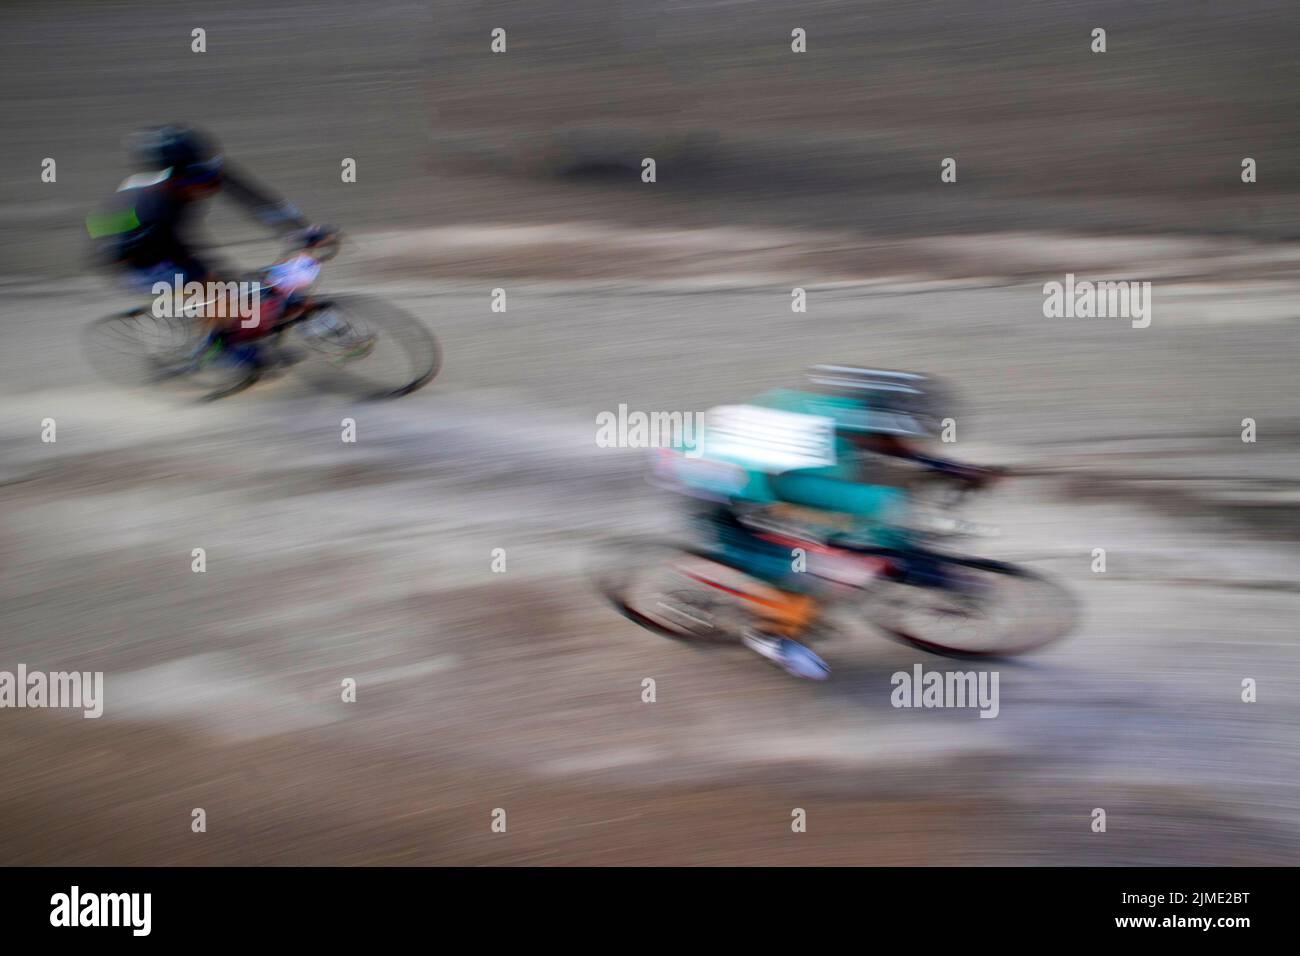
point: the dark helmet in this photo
(881, 401)
(191, 156)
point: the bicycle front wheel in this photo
(366, 347)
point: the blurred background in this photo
(521, 171)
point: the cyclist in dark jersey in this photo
(145, 230)
(150, 215)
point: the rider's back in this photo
(833, 480)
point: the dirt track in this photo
(520, 690)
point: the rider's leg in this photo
(783, 621)
(168, 278)
(782, 613)
(786, 613)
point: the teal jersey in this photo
(796, 455)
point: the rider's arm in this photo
(899, 448)
(277, 214)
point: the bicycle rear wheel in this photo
(137, 349)
(674, 591)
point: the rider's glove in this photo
(314, 236)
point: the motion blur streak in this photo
(522, 690)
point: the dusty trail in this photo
(520, 690)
